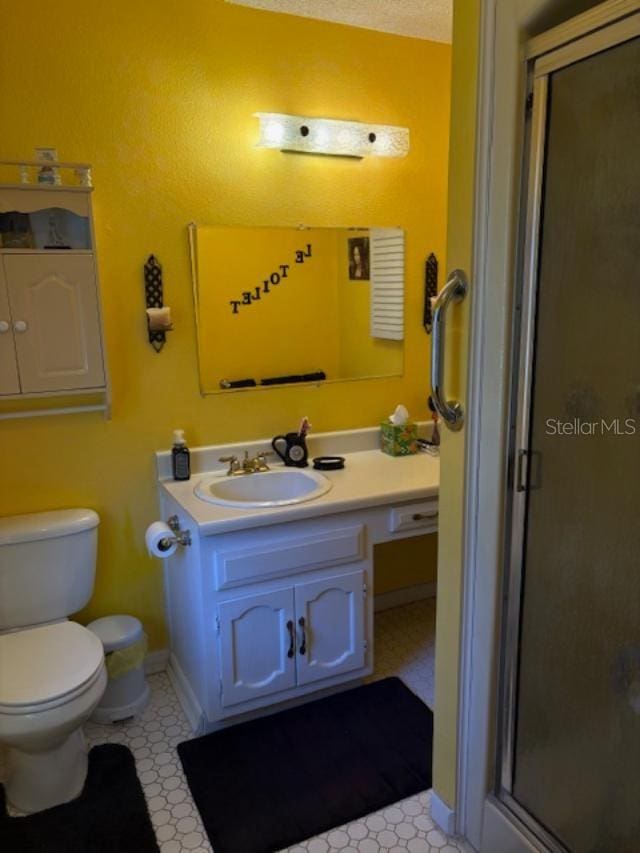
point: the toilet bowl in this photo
(52, 671)
(51, 679)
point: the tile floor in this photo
(404, 647)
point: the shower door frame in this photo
(616, 32)
(499, 184)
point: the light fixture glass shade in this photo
(330, 136)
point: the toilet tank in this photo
(47, 565)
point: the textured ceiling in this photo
(424, 19)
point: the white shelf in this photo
(49, 188)
(97, 400)
(55, 164)
(6, 251)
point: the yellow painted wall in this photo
(466, 26)
(360, 354)
(406, 563)
(160, 99)
(292, 328)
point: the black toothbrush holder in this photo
(292, 449)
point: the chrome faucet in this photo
(247, 466)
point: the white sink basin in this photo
(279, 487)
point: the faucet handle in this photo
(233, 463)
(262, 459)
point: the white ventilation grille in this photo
(386, 246)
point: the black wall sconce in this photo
(158, 315)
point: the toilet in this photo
(52, 671)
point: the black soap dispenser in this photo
(180, 456)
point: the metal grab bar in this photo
(455, 290)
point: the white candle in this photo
(159, 319)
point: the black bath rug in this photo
(109, 816)
(270, 783)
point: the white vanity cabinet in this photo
(271, 606)
(286, 611)
(267, 615)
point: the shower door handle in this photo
(455, 290)
(528, 473)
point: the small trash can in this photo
(125, 645)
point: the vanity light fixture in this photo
(306, 135)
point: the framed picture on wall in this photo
(358, 258)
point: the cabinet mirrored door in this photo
(571, 716)
(56, 325)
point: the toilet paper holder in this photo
(180, 537)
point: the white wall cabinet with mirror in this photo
(51, 339)
(282, 305)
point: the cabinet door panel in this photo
(54, 306)
(334, 625)
(255, 644)
(9, 383)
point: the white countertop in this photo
(370, 478)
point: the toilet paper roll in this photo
(156, 537)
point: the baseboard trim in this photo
(156, 661)
(399, 597)
(186, 696)
(443, 815)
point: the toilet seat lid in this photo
(38, 665)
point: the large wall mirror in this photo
(288, 305)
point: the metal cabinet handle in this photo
(419, 516)
(303, 644)
(20, 326)
(292, 639)
(4, 326)
(455, 290)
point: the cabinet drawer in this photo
(281, 557)
(421, 516)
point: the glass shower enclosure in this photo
(569, 766)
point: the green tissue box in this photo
(398, 440)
